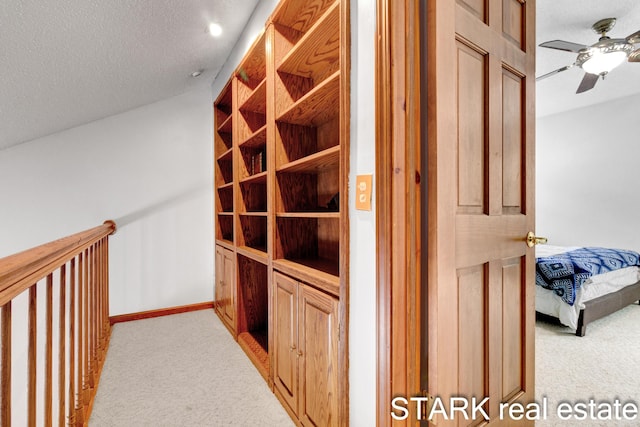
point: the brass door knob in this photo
(533, 240)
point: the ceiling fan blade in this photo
(588, 82)
(563, 45)
(554, 72)
(634, 38)
(634, 56)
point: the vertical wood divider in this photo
(62, 354)
(31, 358)
(5, 369)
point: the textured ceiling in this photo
(69, 62)
(571, 20)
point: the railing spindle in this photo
(31, 358)
(62, 354)
(72, 343)
(48, 352)
(5, 369)
(80, 380)
(85, 333)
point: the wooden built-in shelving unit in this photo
(281, 160)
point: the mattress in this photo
(548, 302)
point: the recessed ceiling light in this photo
(196, 73)
(215, 30)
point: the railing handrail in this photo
(19, 271)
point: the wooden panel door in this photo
(285, 339)
(219, 286)
(480, 145)
(318, 344)
(229, 290)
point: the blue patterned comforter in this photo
(566, 272)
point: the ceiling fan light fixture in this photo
(603, 62)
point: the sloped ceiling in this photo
(69, 62)
(571, 20)
(64, 63)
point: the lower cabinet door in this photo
(318, 350)
(285, 337)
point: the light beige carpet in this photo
(181, 370)
(604, 366)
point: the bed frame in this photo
(600, 307)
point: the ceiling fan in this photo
(599, 58)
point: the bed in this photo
(595, 297)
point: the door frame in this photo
(398, 183)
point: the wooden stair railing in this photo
(63, 361)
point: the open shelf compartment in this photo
(312, 242)
(253, 312)
(253, 231)
(317, 54)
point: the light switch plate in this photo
(364, 184)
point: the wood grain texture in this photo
(253, 232)
(32, 356)
(300, 15)
(255, 140)
(294, 142)
(252, 70)
(317, 53)
(315, 107)
(252, 296)
(315, 163)
(498, 102)
(5, 367)
(256, 99)
(318, 353)
(285, 338)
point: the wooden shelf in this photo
(315, 163)
(300, 15)
(319, 215)
(226, 243)
(253, 253)
(254, 214)
(318, 50)
(319, 273)
(259, 178)
(226, 125)
(226, 156)
(317, 106)
(257, 101)
(225, 214)
(227, 186)
(257, 139)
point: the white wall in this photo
(363, 289)
(362, 303)
(148, 169)
(587, 176)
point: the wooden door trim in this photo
(397, 208)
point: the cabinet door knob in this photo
(299, 354)
(292, 348)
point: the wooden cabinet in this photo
(281, 158)
(305, 351)
(225, 289)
